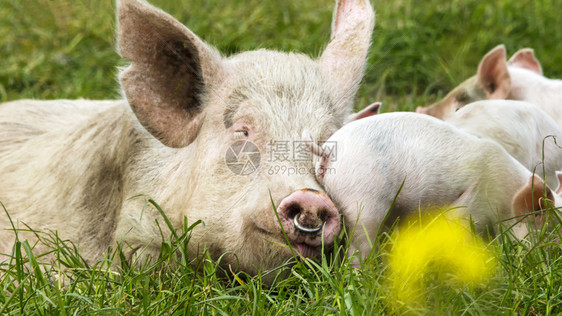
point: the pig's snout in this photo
(309, 216)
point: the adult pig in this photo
(192, 134)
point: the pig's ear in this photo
(493, 76)
(370, 110)
(345, 57)
(525, 58)
(531, 198)
(169, 73)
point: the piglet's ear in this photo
(345, 57)
(370, 110)
(531, 198)
(493, 76)
(525, 58)
(169, 72)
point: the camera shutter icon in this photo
(243, 157)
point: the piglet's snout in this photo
(306, 214)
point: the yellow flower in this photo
(439, 245)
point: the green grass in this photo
(527, 282)
(420, 50)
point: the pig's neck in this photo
(161, 173)
(543, 92)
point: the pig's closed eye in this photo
(240, 134)
(463, 98)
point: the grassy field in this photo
(420, 50)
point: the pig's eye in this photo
(239, 134)
(463, 98)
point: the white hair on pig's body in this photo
(439, 165)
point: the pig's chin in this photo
(302, 248)
(307, 251)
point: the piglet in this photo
(519, 78)
(426, 164)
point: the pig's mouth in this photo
(307, 250)
(301, 247)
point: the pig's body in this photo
(78, 167)
(66, 167)
(440, 166)
(520, 128)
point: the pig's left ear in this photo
(525, 58)
(345, 57)
(170, 72)
(493, 76)
(531, 198)
(370, 110)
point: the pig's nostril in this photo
(306, 213)
(323, 215)
(293, 210)
(304, 229)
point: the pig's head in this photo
(493, 80)
(236, 123)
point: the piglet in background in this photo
(519, 78)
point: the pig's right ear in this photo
(169, 72)
(345, 57)
(493, 76)
(370, 110)
(525, 58)
(531, 198)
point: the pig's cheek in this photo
(457, 105)
(320, 180)
(330, 187)
(321, 176)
